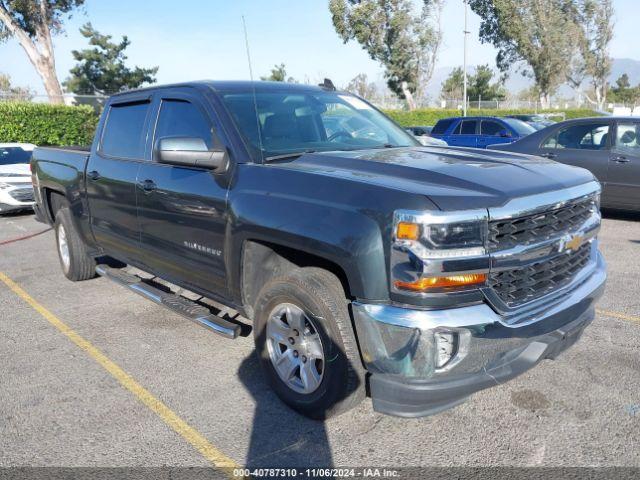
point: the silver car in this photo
(16, 190)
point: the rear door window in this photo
(124, 132)
(442, 126)
(583, 136)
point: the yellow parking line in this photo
(621, 316)
(168, 416)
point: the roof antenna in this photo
(253, 85)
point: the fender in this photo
(356, 247)
(62, 171)
(339, 220)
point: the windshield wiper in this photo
(384, 145)
(284, 156)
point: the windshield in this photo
(519, 126)
(298, 122)
(12, 155)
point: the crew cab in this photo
(478, 132)
(363, 261)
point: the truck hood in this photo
(452, 178)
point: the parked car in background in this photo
(607, 146)
(16, 191)
(423, 135)
(479, 132)
(537, 125)
(429, 141)
(533, 119)
(420, 131)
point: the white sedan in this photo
(16, 190)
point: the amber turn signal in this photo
(408, 231)
(428, 283)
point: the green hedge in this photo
(429, 116)
(44, 124)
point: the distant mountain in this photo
(516, 82)
(625, 65)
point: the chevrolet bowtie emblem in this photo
(571, 242)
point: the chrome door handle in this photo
(621, 159)
(549, 155)
(93, 175)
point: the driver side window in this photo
(488, 127)
(628, 137)
(179, 118)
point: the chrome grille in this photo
(531, 229)
(22, 194)
(521, 285)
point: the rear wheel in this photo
(306, 344)
(75, 262)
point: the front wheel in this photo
(306, 344)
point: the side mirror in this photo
(504, 133)
(190, 152)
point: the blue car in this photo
(479, 132)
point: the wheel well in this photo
(54, 201)
(262, 261)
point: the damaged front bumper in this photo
(424, 361)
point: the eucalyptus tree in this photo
(32, 23)
(405, 41)
(537, 37)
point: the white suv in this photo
(16, 190)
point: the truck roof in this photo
(231, 85)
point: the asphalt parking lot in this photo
(168, 393)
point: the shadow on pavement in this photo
(280, 437)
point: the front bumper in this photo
(16, 198)
(400, 347)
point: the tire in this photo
(76, 264)
(318, 388)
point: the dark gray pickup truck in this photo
(365, 262)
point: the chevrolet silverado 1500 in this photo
(364, 261)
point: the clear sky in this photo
(203, 39)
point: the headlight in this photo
(596, 202)
(456, 235)
(439, 252)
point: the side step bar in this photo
(176, 303)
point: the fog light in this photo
(446, 347)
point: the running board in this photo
(176, 303)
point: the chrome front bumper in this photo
(403, 348)
(8, 203)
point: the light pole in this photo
(464, 67)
